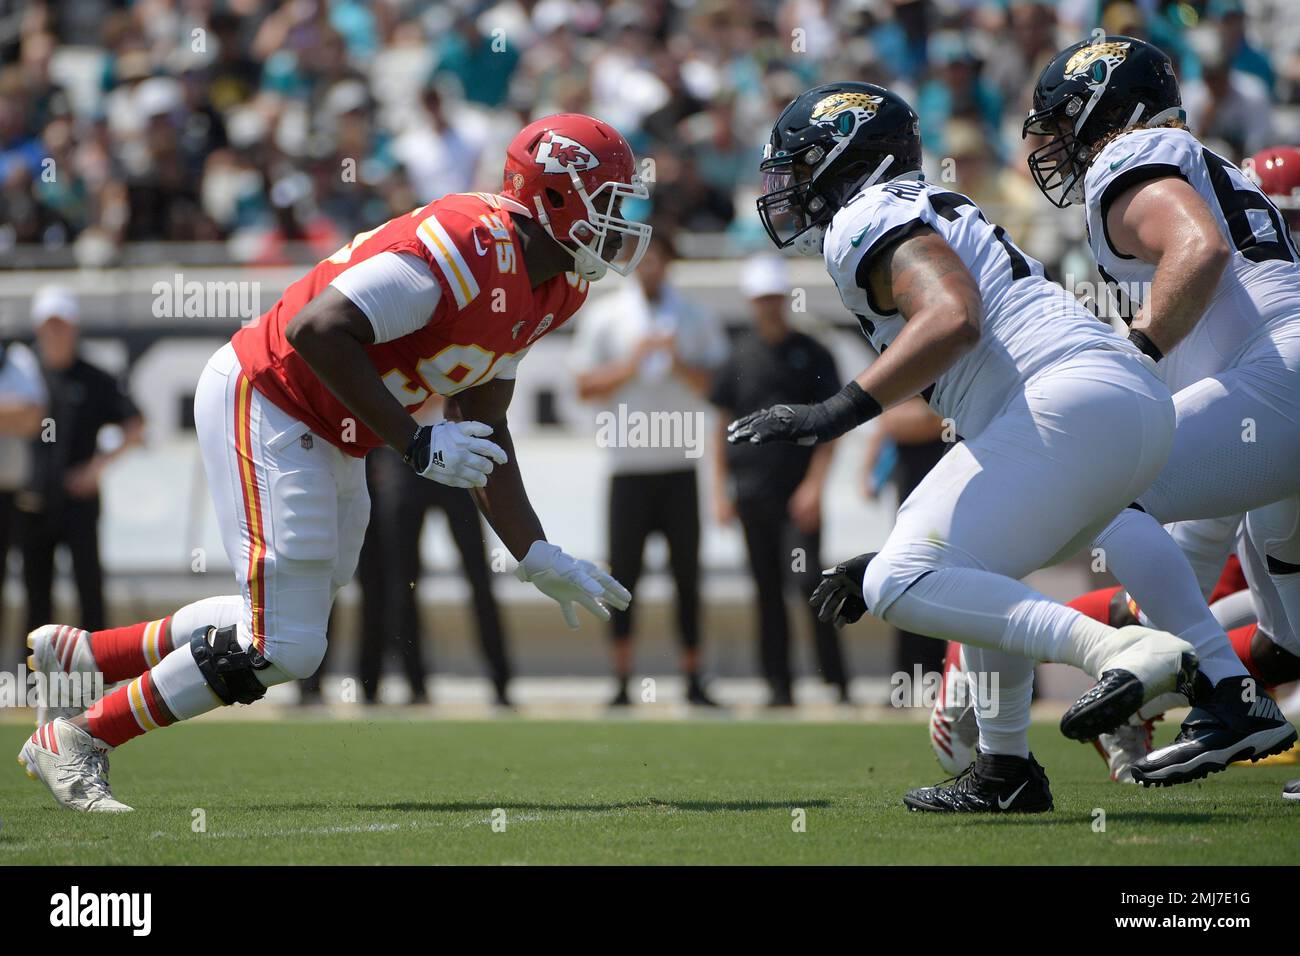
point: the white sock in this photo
(218, 612)
(997, 612)
(183, 688)
(1003, 721)
(1156, 573)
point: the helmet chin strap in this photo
(588, 265)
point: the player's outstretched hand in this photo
(790, 423)
(455, 453)
(570, 582)
(838, 599)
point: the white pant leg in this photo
(1237, 445)
(1270, 614)
(1234, 611)
(1038, 483)
(1273, 543)
(1206, 542)
(292, 510)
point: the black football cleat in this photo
(993, 783)
(1291, 790)
(1234, 720)
(1145, 664)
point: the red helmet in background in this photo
(1277, 171)
(572, 172)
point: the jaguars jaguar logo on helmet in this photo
(826, 146)
(1086, 92)
(1110, 55)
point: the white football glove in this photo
(455, 453)
(569, 582)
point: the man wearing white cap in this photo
(776, 490)
(648, 353)
(60, 505)
(22, 404)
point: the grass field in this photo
(606, 792)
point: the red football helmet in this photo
(572, 172)
(1277, 171)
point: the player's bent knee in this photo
(887, 578)
(230, 670)
(293, 655)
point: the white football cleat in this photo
(1140, 665)
(61, 654)
(953, 730)
(1126, 746)
(73, 764)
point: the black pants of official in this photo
(389, 574)
(914, 463)
(75, 526)
(780, 553)
(668, 503)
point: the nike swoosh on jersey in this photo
(857, 240)
(478, 246)
(1120, 162)
(1003, 804)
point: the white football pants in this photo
(1062, 458)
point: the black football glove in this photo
(838, 599)
(806, 424)
(793, 423)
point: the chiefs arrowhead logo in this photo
(542, 326)
(559, 154)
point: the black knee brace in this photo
(228, 669)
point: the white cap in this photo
(765, 275)
(53, 301)
(158, 96)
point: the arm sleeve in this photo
(395, 290)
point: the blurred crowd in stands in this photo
(263, 123)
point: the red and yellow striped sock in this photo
(122, 652)
(128, 712)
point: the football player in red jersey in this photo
(446, 299)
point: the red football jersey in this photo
(487, 315)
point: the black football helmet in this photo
(1086, 92)
(827, 145)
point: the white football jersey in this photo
(1029, 322)
(1259, 289)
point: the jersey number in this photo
(1237, 206)
(947, 204)
(455, 368)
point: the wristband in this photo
(413, 446)
(846, 410)
(1145, 345)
